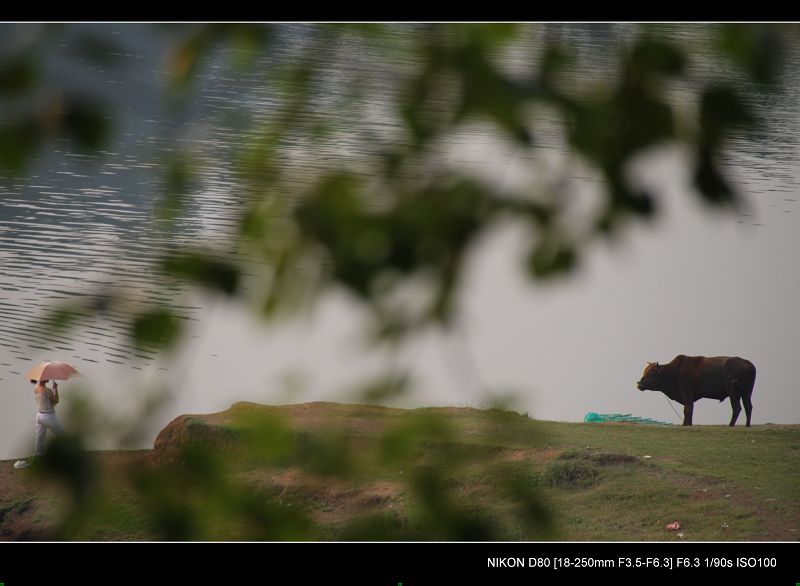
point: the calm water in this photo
(79, 225)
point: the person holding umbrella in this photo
(47, 398)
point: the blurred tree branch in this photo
(402, 213)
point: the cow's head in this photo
(652, 377)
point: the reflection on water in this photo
(83, 225)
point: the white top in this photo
(44, 400)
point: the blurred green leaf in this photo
(721, 109)
(18, 75)
(759, 48)
(268, 438)
(97, 48)
(61, 319)
(199, 40)
(405, 443)
(532, 511)
(487, 91)
(85, 121)
(168, 503)
(201, 269)
(551, 258)
(157, 328)
(556, 58)
(651, 55)
(384, 389)
(709, 180)
(442, 516)
(178, 181)
(66, 460)
(328, 454)
(19, 141)
(490, 35)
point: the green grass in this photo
(720, 483)
(15, 508)
(570, 474)
(333, 472)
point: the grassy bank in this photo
(331, 471)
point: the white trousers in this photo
(45, 421)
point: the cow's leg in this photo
(748, 408)
(737, 408)
(688, 408)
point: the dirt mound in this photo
(191, 430)
(222, 431)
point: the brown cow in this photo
(689, 378)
